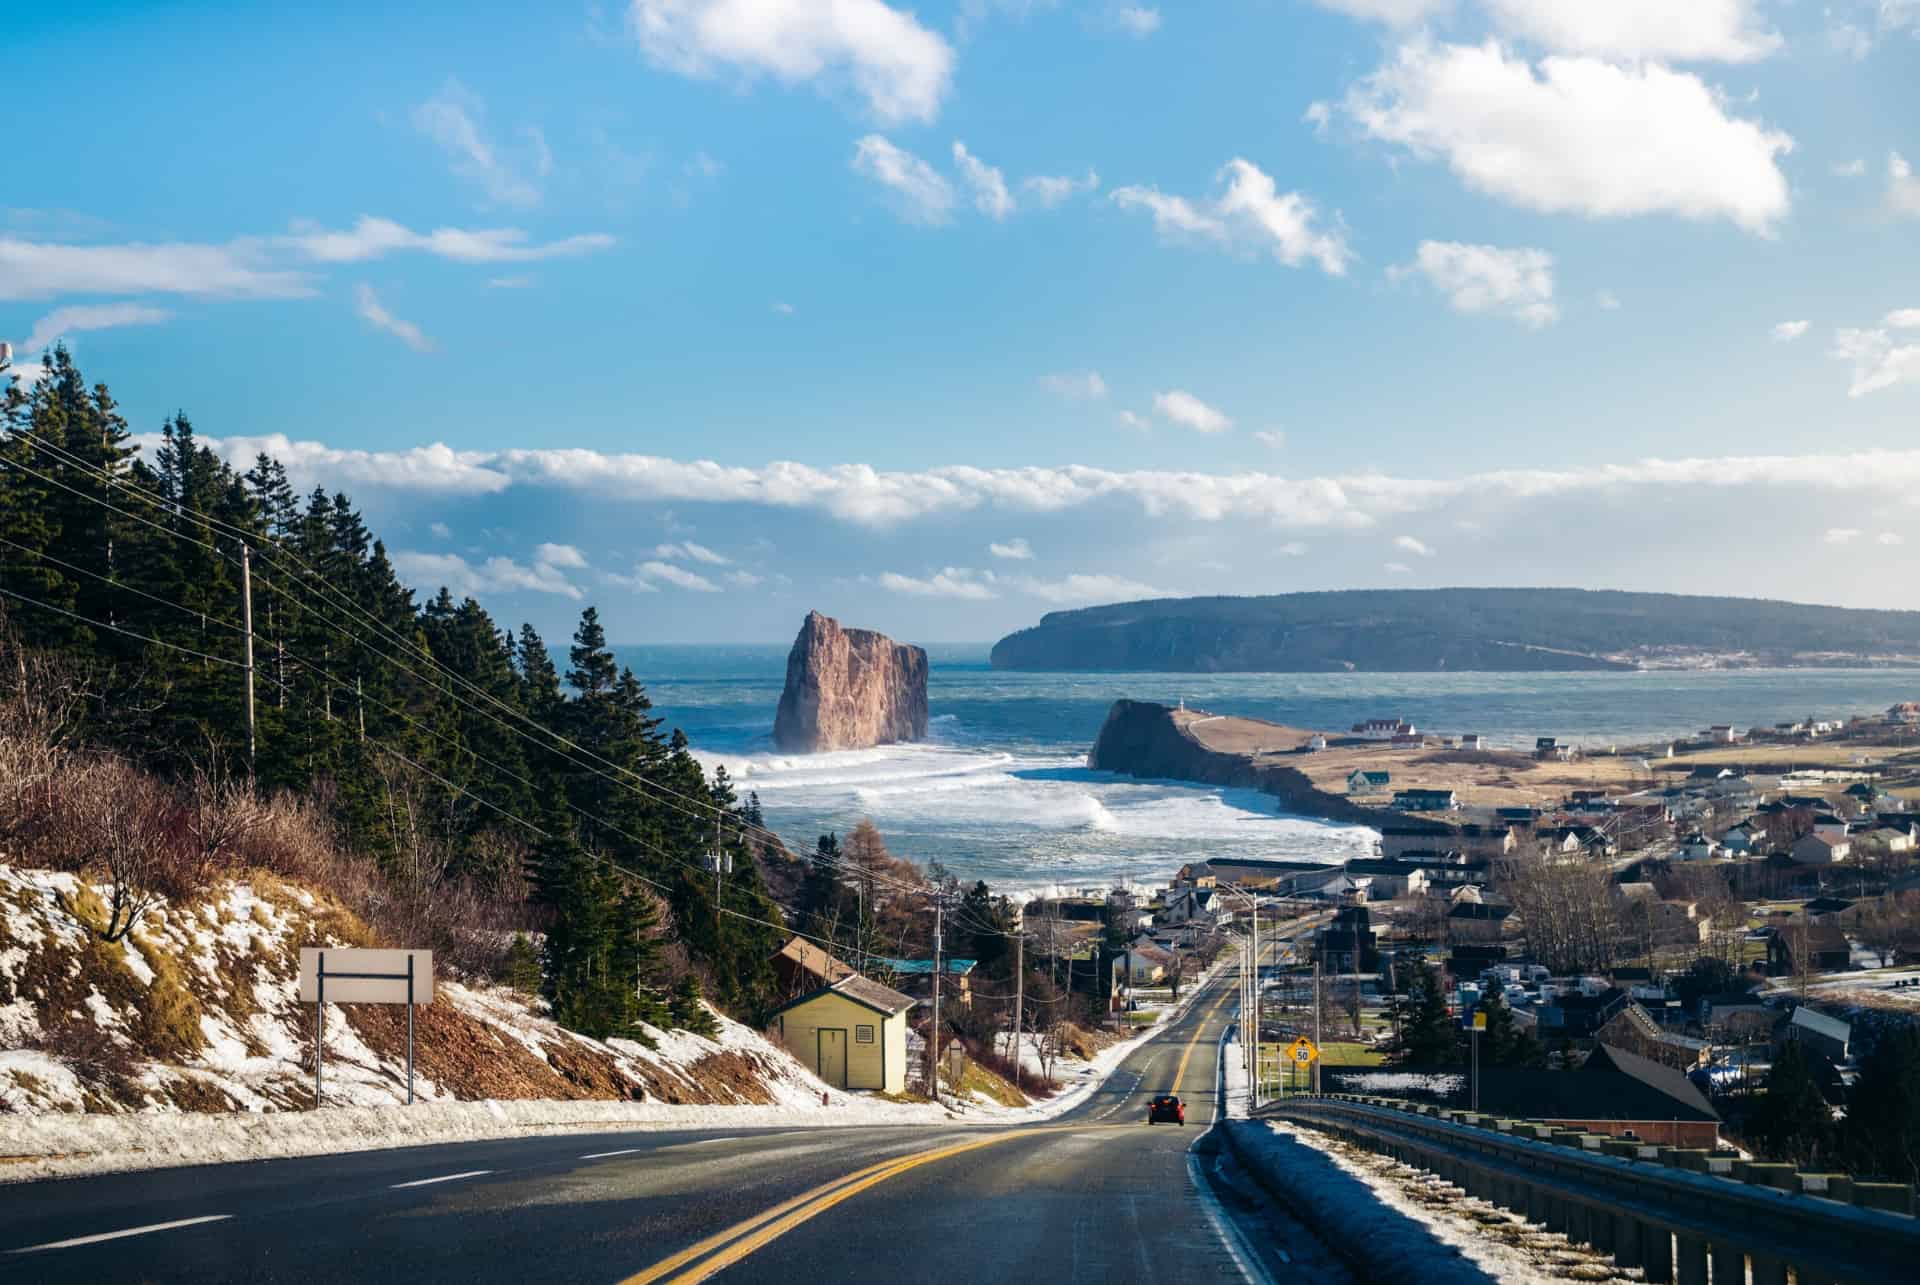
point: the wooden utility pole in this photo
(933, 1034)
(246, 618)
(1019, 997)
(360, 708)
(1317, 1043)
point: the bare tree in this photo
(113, 821)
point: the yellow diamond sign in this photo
(1302, 1051)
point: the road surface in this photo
(1095, 1196)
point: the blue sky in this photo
(712, 311)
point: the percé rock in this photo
(1143, 739)
(848, 689)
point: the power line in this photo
(101, 624)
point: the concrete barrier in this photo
(1675, 1213)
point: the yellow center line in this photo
(1180, 1072)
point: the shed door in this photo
(833, 1056)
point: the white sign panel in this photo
(355, 976)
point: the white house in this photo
(1723, 733)
(1382, 729)
(1316, 743)
(1737, 840)
(1821, 850)
(1698, 847)
(1473, 741)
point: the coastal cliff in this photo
(1450, 630)
(849, 689)
(1147, 740)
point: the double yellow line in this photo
(744, 1237)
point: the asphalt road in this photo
(1096, 1196)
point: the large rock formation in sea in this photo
(848, 689)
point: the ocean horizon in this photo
(1000, 789)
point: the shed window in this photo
(863, 1035)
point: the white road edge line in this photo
(1243, 1255)
(445, 1177)
(602, 1155)
(116, 1235)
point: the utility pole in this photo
(1316, 1021)
(1019, 996)
(246, 618)
(360, 704)
(933, 1035)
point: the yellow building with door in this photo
(852, 1034)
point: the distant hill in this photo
(1423, 630)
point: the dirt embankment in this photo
(1143, 739)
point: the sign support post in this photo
(363, 977)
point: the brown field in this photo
(1505, 778)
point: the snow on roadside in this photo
(1419, 1226)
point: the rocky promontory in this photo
(848, 689)
(1159, 742)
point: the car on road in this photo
(1168, 1108)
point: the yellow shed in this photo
(852, 1034)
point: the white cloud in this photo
(1249, 214)
(1581, 136)
(1137, 20)
(950, 582)
(1016, 550)
(1849, 41)
(1397, 13)
(441, 530)
(679, 577)
(692, 552)
(105, 316)
(36, 270)
(1180, 407)
(368, 304)
(1607, 301)
(867, 497)
(1291, 549)
(988, 184)
(373, 238)
(1517, 283)
(1841, 535)
(1855, 168)
(1676, 30)
(899, 67)
(1879, 360)
(429, 571)
(455, 119)
(1132, 420)
(744, 579)
(1050, 190)
(921, 193)
(1788, 331)
(783, 308)
(560, 555)
(1407, 544)
(1399, 568)
(1890, 539)
(1903, 189)
(1270, 437)
(1078, 385)
(1081, 588)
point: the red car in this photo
(1166, 1107)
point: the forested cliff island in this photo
(1429, 630)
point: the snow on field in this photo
(1408, 1224)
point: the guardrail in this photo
(1674, 1212)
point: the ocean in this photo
(1000, 790)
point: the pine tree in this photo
(687, 1010)
(1881, 1136)
(1793, 1121)
(1427, 1034)
(1505, 1042)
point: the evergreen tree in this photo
(1881, 1136)
(1793, 1121)
(1505, 1042)
(1427, 1033)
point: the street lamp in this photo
(1250, 988)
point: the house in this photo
(1477, 921)
(802, 967)
(1142, 964)
(1823, 945)
(915, 978)
(1904, 712)
(1818, 1033)
(1473, 741)
(1549, 747)
(1426, 801)
(1891, 837)
(1829, 824)
(1382, 729)
(1391, 879)
(1516, 816)
(1616, 1092)
(1634, 1029)
(1408, 741)
(1820, 850)
(1363, 782)
(1475, 841)
(1347, 945)
(1734, 1016)
(1577, 1015)
(1315, 743)
(1193, 906)
(852, 1034)
(1677, 923)
(1698, 847)
(1282, 878)
(1821, 907)
(1722, 733)
(1738, 840)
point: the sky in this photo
(711, 312)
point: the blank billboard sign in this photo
(357, 976)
